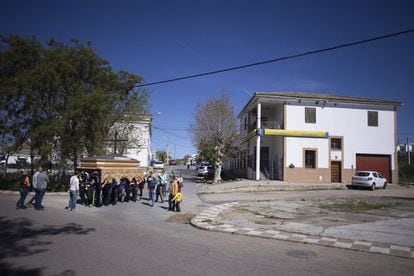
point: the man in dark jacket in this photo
(40, 189)
(152, 184)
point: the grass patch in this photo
(354, 206)
(184, 218)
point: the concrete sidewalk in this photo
(383, 235)
(209, 220)
(246, 185)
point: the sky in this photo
(161, 40)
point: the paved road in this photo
(134, 239)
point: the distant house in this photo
(308, 137)
(402, 148)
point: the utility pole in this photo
(408, 152)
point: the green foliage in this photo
(161, 155)
(406, 171)
(62, 100)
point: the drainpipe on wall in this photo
(258, 126)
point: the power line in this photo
(312, 52)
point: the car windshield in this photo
(362, 174)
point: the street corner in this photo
(206, 219)
(210, 220)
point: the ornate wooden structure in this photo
(111, 166)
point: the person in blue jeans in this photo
(152, 184)
(73, 191)
(24, 190)
(40, 189)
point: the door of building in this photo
(336, 172)
(372, 162)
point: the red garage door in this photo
(379, 163)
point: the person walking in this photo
(152, 184)
(34, 184)
(132, 190)
(173, 191)
(141, 183)
(24, 190)
(178, 198)
(41, 186)
(164, 181)
(73, 191)
(159, 192)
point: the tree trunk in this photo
(217, 174)
(218, 164)
(5, 166)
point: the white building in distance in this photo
(133, 140)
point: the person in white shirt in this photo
(73, 191)
(34, 186)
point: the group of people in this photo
(162, 187)
(40, 180)
(93, 192)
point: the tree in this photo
(18, 58)
(213, 131)
(161, 155)
(62, 99)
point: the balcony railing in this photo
(266, 124)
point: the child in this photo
(177, 201)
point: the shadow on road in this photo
(20, 238)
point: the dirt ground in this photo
(322, 212)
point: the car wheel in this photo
(385, 185)
(373, 187)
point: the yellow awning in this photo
(296, 133)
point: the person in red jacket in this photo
(24, 190)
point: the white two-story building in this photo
(308, 137)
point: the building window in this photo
(310, 115)
(336, 144)
(373, 118)
(245, 122)
(310, 159)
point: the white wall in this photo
(295, 146)
(142, 133)
(349, 122)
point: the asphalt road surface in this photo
(135, 239)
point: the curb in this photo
(205, 219)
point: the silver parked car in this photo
(369, 179)
(202, 170)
